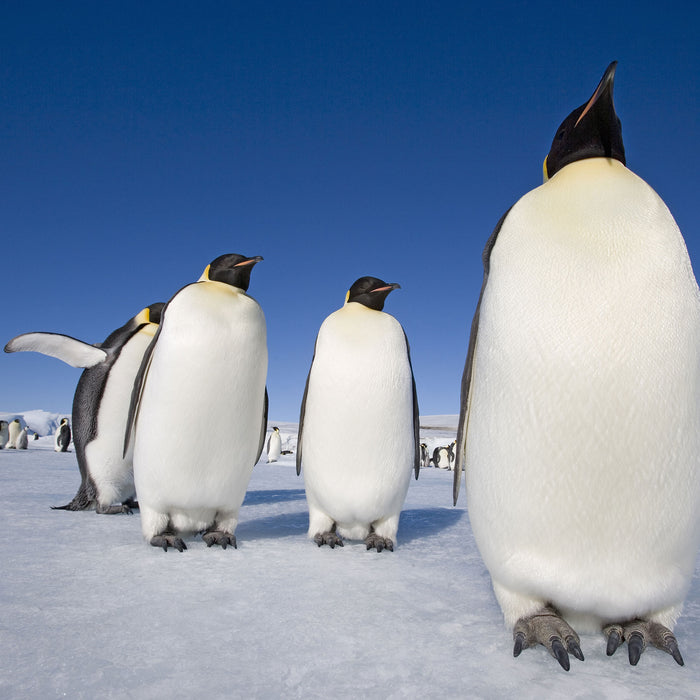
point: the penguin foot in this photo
(132, 503)
(113, 510)
(638, 633)
(547, 628)
(329, 538)
(374, 541)
(219, 537)
(168, 539)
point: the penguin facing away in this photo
(62, 436)
(584, 364)
(206, 368)
(274, 445)
(358, 431)
(101, 406)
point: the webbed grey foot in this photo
(374, 541)
(225, 539)
(329, 538)
(168, 539)
(114, 509)
(638, 633)
(546, 627)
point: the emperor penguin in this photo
(424, 455)
(62, 436)
(274, 445)
(101, 406)
(4, 433)
(206, 368)
(579, 427)
(22, 439)
(14, 429)
(360, 395)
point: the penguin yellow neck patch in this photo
(544, 170)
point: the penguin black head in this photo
(232, 268)
(371, 292)
(154, 312)
(593, 130)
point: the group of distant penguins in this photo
(14, 436)
(579, 428)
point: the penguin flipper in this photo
(263, 428)
(137, 391)
(416, 415)
(465, 393)
(303, 411)
(73, 352)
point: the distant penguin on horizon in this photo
(62, 436)
(424, 455)
(14, 429)
(22, 439)
(206, 369)
(360, 391)
(101, 406)
(274, 445)
(4, 433)
(579, 428)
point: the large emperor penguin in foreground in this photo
(579, 427)
(204, 374)
(358, 431)
(100, 407)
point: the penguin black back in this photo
(593, 130)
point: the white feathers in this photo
(357, 440)
(69, 350)
(206, 377)
(584, 431)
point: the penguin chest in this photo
(202, 405)
(584, 413)
(358, 424)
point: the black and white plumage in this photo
(100, 406)
(579, 427)
(206, 370)
(360, 391)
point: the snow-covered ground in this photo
(90, 610)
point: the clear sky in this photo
(140, 140)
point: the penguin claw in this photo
(220, 537)
(114, 509)
(166, 540)
(379, 543)
(547, 628)
(638, 633)
(329, 538)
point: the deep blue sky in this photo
(336, 139)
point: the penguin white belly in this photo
(207, 378)
(358, 441)
(274, 447)
(584, 430)
(111, 472)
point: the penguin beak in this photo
(249, 261)
(605, 85)
(389, 287)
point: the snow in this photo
(90, 610)
(38, 421)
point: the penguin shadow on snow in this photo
(255, 498)
(419, 523)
